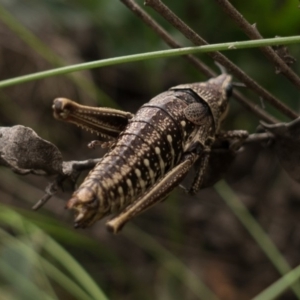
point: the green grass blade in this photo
(278, 287)
(261, 238)
(150, 55)
(170, 262)
(74, 268)
(30, 289)
(18, 265)
(15, 220)
(51, 270)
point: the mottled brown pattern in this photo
(106, 122)
(214, 91)
(153, 152)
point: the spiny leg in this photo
(102, 144)
(200, 173)
(199, 114)
(235, 138)
(106, 122)
(156, 194)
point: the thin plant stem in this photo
(149, 55)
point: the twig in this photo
(50, 191)
(148, 20)
(259, 137)
(71, 169)
(263, 115)
(165, 12)
(253, 33)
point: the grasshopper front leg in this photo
(199, 177)
(107, 123)
(235, 140)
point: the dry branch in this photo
(190, 34)
(253, 33)
(197, 63)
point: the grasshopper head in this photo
(216, 92)
(85, 204)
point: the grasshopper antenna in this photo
(238, 84)
(222, 68)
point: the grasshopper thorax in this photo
(220, 90)
(215, 92)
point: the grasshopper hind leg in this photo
(156, 194)
(107, 123)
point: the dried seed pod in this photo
(25, 152)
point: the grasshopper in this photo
(150, 152)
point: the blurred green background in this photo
(185, 248)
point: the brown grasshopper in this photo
(150, 152)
